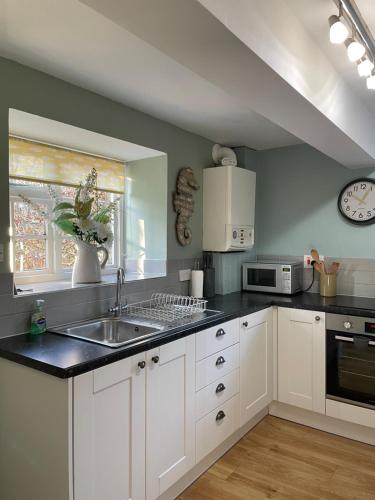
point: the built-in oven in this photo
(350, 359)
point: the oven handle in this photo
(350, 339)
(345, 339)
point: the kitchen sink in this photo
(117, 332)
(111, 332)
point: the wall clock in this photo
(356, 201)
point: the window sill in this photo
(55, 286)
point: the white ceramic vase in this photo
(87, 267)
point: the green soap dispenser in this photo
(38, 319)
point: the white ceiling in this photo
(316, 22)
(260, 74)
(78, 44)
(41, 129)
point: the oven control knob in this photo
(347, 325)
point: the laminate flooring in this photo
(279, 459)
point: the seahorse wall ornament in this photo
(183, 204)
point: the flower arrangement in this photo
(85, 219)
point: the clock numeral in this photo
(354, 212)
(347, 208)
(349, 193)
(369, 213)
(355, 188)
(346, 200)
(363, 186)
(360, 215)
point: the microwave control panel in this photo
(286, 282)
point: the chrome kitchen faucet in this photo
(118, 307)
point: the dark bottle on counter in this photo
(208, 275)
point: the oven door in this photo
(350, 367)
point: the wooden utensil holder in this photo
(328, 284)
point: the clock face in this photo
(357, 201)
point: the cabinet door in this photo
(256, 374)
(301, 358)
(109, 432)
(170, 422)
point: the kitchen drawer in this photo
(212, 368)
(217, 338)
(211, 431)
(215, 394)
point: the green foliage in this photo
(83, 208)
(65, 216)
(66, 226)
(64, 205)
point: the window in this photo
(39, 251)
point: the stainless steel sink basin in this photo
(111, 332)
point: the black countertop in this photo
(67, 357)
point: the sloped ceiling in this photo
(248, 73)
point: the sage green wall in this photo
(296, 204)
(34, 92)
(147, 204)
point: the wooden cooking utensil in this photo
(334, 267)
(315, 254)
(320, 264)
(318, 267)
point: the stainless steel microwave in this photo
(272, 277)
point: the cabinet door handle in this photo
(220, 360)
(317, 318)
(220, 332)
(220, 416)
(220, 388)
(142, 364)
(155, 359)
(245, 324)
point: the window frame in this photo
(54, 270)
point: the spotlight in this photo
(355, 49)
(365, 66)
(338, 32)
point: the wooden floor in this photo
(282, 460)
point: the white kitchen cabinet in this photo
(256, 363)
(109, 432)
(214, 428)
(170, 419)
(301, 358)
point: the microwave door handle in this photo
(371, 342)
(345, 339)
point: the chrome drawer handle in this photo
(220, 416)
(220, 388)
(220, 332)
(220, 360)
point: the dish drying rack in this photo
(166, 307)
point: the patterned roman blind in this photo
(34, 161)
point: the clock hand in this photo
(364, 197)
(356, 197)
